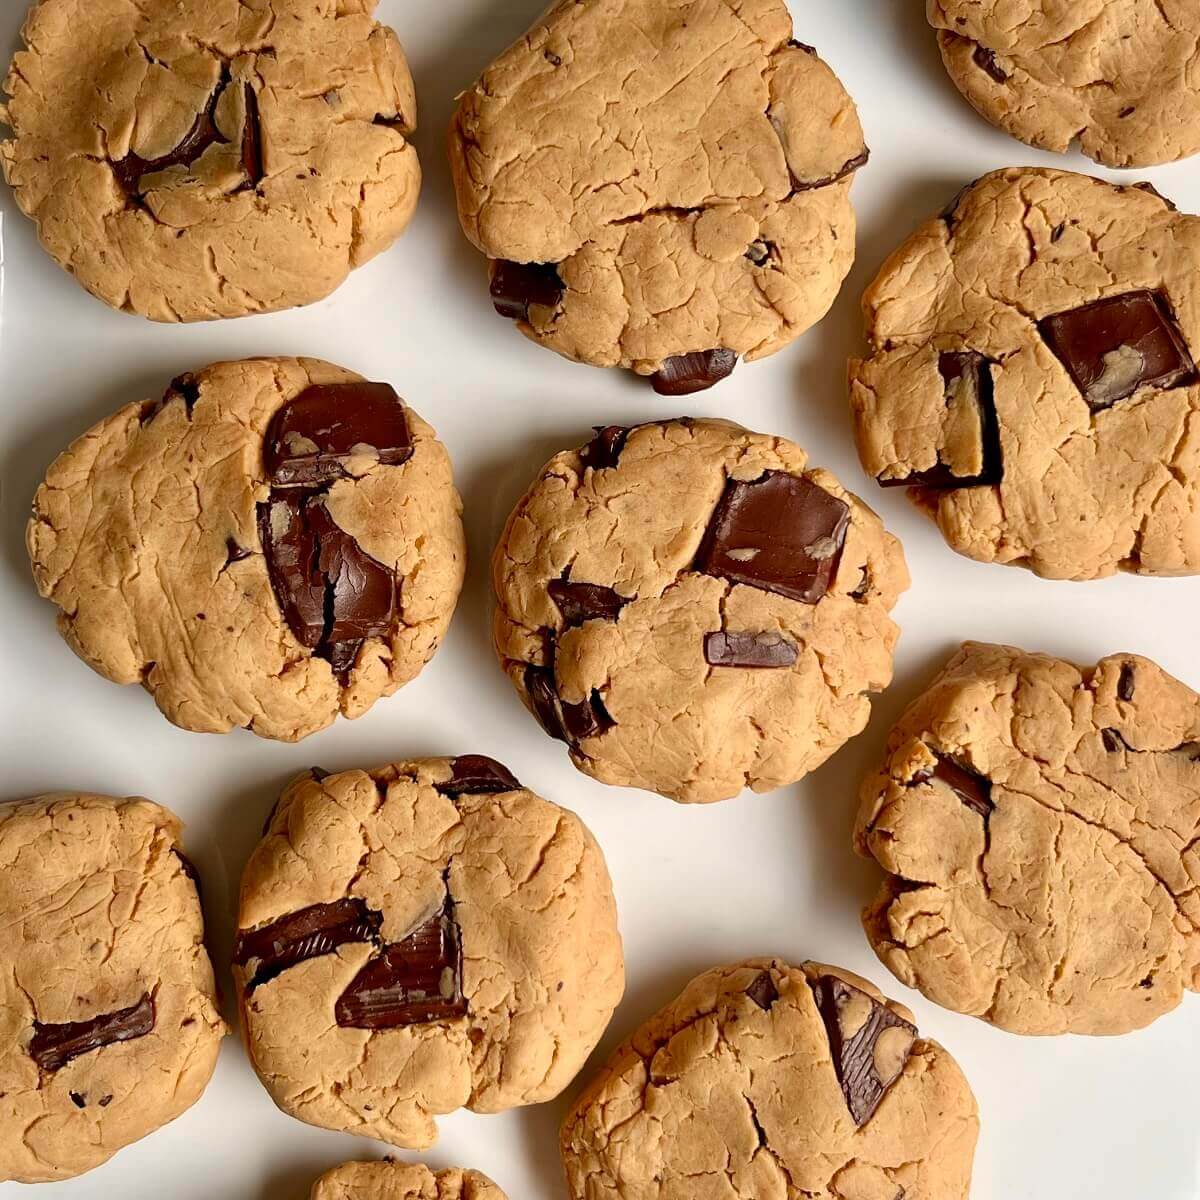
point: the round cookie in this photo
(421, 938)
(1118, 76)
(273, 542)
(390, 1180)
(764, 1079)
(694, 610)
(660, 187)
(1039, 825)
(186, 160)
(1032, 376)
(109, 1025)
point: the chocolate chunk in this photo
(987, 61)
(867, 1057)
(687, 373)
(309, 933)
(412, 982)
(847, 168)
(569, 723)
(518, 287)
(580, 602)
(763, 991)
(780, 533)
(1113, 741)
(53, 1046)
(1125, 682)
(182, 387)
(605, 448)
(311, 441)
(587, 720)
(760, 252)
(1149, 188)
(188, 868)
(235, 553)
(77, 1100)
(252, 159)
(974, 790)
(1113, 347)
(749, 650)
(477, 775)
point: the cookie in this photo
(660, 187)
(390, 1180)
(1032, 376)
(273, 542)
(192, 161)
(1039, 825)
(765, 1080)
(1116, 76)
(109, 1026)
(694, 610)
(421, 938)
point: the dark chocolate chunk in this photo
(580, 602)
(760, 252)
(855, 1023)
(252, 159)
(763, 991)
(309, 933)
(847, 168)
(104, 1101)
(987, 61)
(1125, 682)
(189, 869)
(1115, 346)
(77, 1100)
(53, 1046)
(569, 723)
(780, 533)
(749, 650)
(587, 720)
(605, 448)
(685, 374)
(517, 287)
(974, 790)
(1149, 188)
(477, 775)
(182, 387)
(235, 553)
(1113, 741)
(795, 45)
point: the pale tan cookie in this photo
(695, 610)
(1040, 826)
(764, 1080)
(1118, 76)
(421, 938)
(109, 1026)
(390, 1180)
(205, 546)
(188, 159)
(661, 186)
(1032, 376)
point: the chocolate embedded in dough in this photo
(987, 61)
(53, 1046)
(974, 790)
(763, 991)
(518, 287)
(1125, 682)
(476, 775)
(758, 650)
(580, 602)
(569, 723)
(604, 450)
(685, 374)
(252, 159)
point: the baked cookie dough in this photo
(1118, 76)
(1039, 825)
(694, 610)
(390, 1180)
(109, 1026)
(768, 1080)
(193, 160)
(421, 938)
(661, 187)
(1032, 376)
(273, 542)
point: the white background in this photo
(1062, 1118)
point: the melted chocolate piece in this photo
(605, 448)
(975, 791)
(477, 775)
(685, 374)
(780, 533)
(987, 61)
(517, 287)
(53, 1046)
(1113, 347)
(749, 650)
(580, 602)
(309, 933)
(847, 168)
(569, 723)
(252, 159)
(1125, 682)
(763, 991)
(1113, 741)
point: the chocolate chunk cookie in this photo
(109, 1026)
(186, 162)
(1039, 825)
(402, 1181)
(421, 938)
(272, 542)
(1032, 376)
(694, 610)
(1118, 76)
(764, 1079)
(661, 187)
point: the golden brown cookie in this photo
(390, 1180)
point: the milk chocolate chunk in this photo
(780, 533)
(569, 723)
(1115, 346)
(309, 933)
(688, 373)
(477, 775)
(749, 650)
(974, 790)
(580, 602)
(518, 287)
(53, 1046)
(605, 448)
(868, 1042)
(763, 991)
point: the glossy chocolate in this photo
(518, 287)
(604, 450)
(763, 991)
(847, 168)
(53, 1046)
(685, 374)
(974, 790)
(1125, 682)
(476, 775)
(252, 159)
(580, 602)
(758, 650)
(569, 723)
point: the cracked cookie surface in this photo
(767, 1080)
(695, 610)
(109, 1025)
(186, 160)
(660, 186)
(207, 547)
(1032, 376)
(1118, 76)
(421, 938)
(1040, 827)
(402, 1181)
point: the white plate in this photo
(1063, 1117)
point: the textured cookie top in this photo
(1119, 76)
(764, 1079)
(681, 169)
(694, 610)
(271, 543)
(1032, 376)
(421, 938)
(109, 1024)
(186, 159)
(1040, 824)
(402, 1181)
